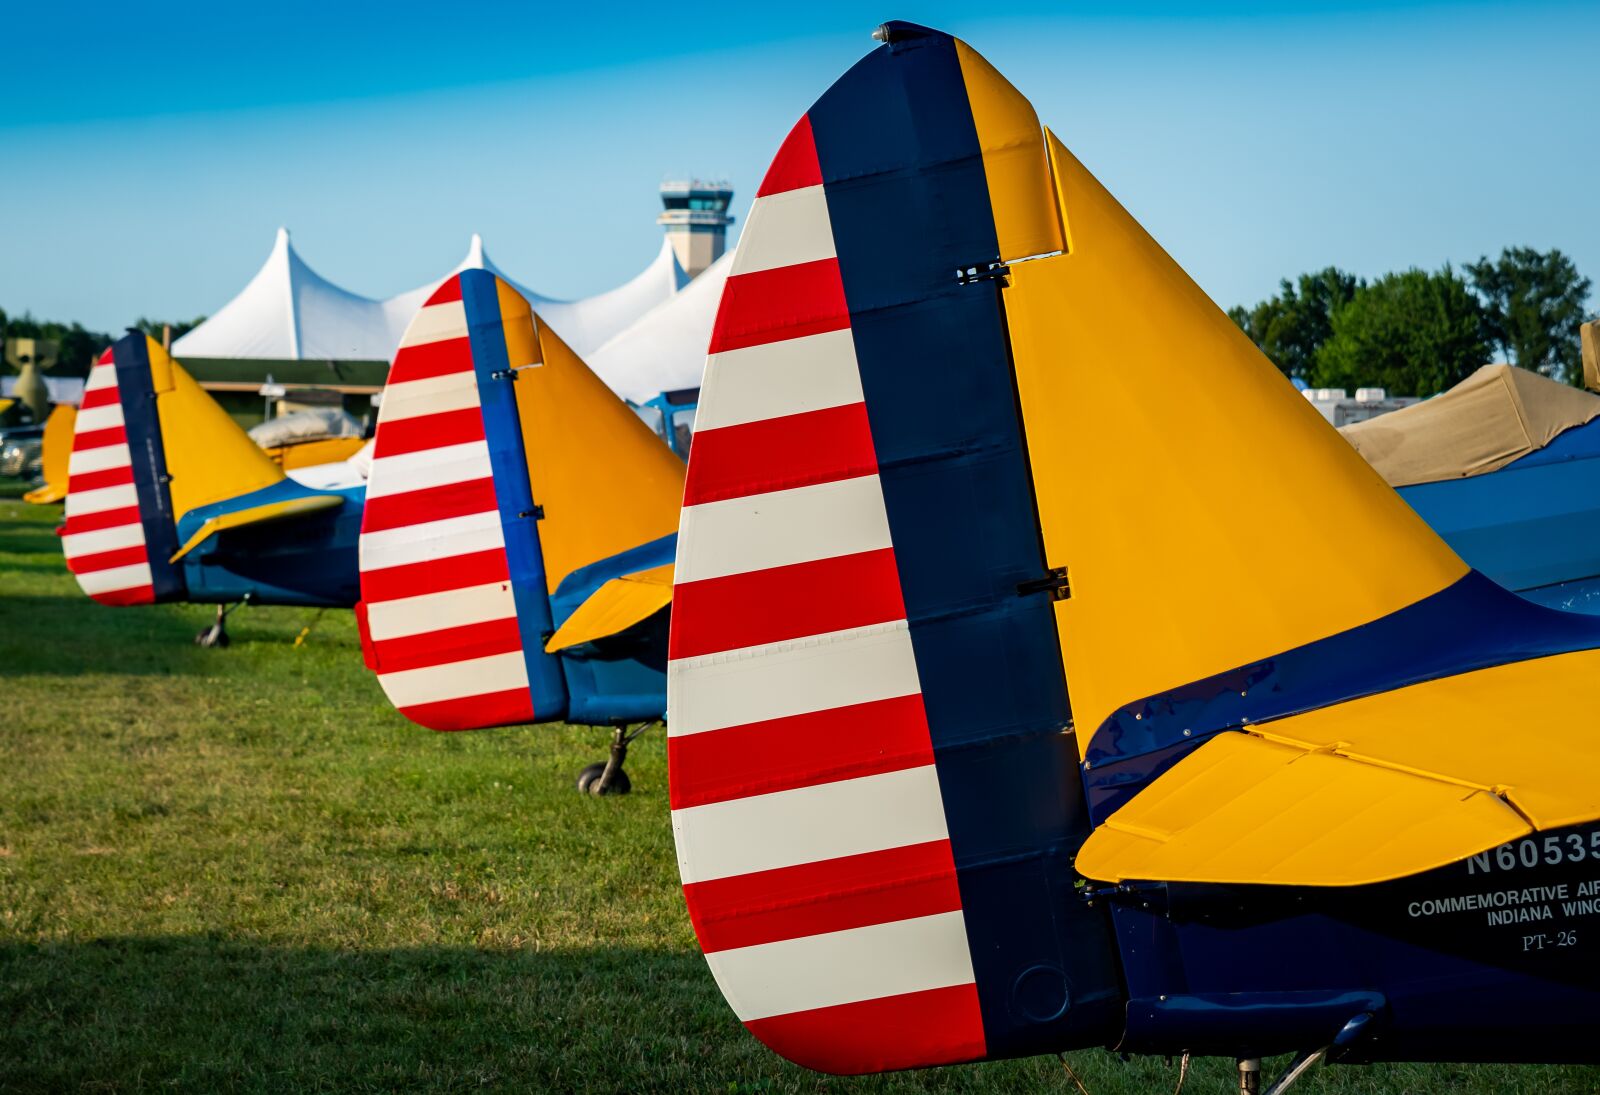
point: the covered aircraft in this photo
(169, 500)
(1022, 729)
(516, 549)
(1505, 467)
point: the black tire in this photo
(620, 783)
(212, 637)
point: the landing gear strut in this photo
(609, 778)
(216, 636)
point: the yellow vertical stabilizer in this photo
(1207, 516)
(605, 481)
(57, 451)
(209, 456)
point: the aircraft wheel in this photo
(212, 637)
(590, 777)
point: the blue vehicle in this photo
(671, 416)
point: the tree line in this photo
(77, 346)
(1418, 332)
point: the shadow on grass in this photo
(133, 1013)
(67, 634)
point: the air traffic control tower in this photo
(695, 216)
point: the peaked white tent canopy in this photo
(665, 349)
(289, 312)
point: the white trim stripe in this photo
(99, 418)
(104, 498)
(106, 539)
(114, 579)
(436, 611)
(843, 967)
(455, 680)
(464, 463)
(82, 461)
(785, 229)
(432, 395)
(794, 677)
(437, 323)
(431, 540)
(777, 379)
(809, 824)
(780, 528)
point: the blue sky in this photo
(146, 168)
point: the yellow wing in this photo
(255, 515)
(1372, 789)
(615, 606)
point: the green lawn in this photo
(241, 870)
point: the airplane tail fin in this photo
(148, 446)
(57, 450)
(503, 470)
(991, 515)
(452, 572)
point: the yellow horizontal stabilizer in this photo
(615, 606)
(255, 515)
(50, 492)
(308, 454)
(1374, 789)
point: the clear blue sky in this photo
(149, 153)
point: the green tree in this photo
(1533, 307)
(1293, 325)
(1413, 333)
(78, 346)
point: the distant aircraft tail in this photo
(58, 429)
(954, 524)
(148, 447)
(509, 489)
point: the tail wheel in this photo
(213, 637)
(589, 781)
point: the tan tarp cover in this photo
(1590, 335)
(1488, 420)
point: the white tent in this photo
(582, 324)
(289, 312)
(665, 349)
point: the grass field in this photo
(241, 871)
